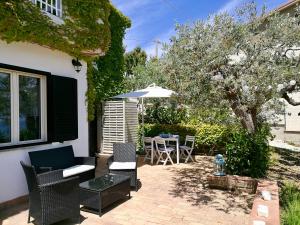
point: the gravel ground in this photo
(285, 166)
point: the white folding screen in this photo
(119, 124)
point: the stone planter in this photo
(252, 186)
(233, 183)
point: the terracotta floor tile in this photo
(169, 195)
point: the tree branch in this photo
(290, 49)
(290, 100)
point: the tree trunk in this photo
(242, 113)
(253, 112)
(245, 118)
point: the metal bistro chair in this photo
(162, 149)
(187, 149)
(172, 144)
(51, 197)
(148, 148)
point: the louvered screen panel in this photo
(113, 124)
(131, 122)
(119, 124)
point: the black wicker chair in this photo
(124, 161)
(52, 198)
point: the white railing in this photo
(53, 7)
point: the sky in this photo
(155, 19)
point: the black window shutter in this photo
(62, 109)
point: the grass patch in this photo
(291, 214)
(274, 158)
(290, 202)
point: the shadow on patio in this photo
(169, 195)
(190, 183)
(13, 210)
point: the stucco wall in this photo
(292, 115)
(12, 180)
(280, 134)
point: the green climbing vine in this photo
(88, 26)
(85, 25)
(107, 80)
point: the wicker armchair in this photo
(51, 198)
(124, 161)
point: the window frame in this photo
(15, 126)
(59, 11)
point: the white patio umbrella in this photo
(152, 91)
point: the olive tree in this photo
(239, 61)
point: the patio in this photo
(175, 194)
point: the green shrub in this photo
(221, 115)
(290, 202)
(208, 136)
(165, 115)
(248, 154)
(212, 136)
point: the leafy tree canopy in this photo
(144, 75)
(240, 61)
(134, 58)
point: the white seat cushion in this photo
(122, 166)
(77, 169)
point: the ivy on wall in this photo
(107, 80)
(85, 25)
(89, 26)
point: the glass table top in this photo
(103, 182)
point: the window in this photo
(53, 7)
(5, 112)
(22, 108)
(29, 108)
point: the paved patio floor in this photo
(167, 195)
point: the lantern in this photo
(77, 65)
(219, 165)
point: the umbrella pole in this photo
(143, 132)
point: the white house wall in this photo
(292, 115)
(13, 183)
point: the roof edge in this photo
(287, 5)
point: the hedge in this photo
(208, 136)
